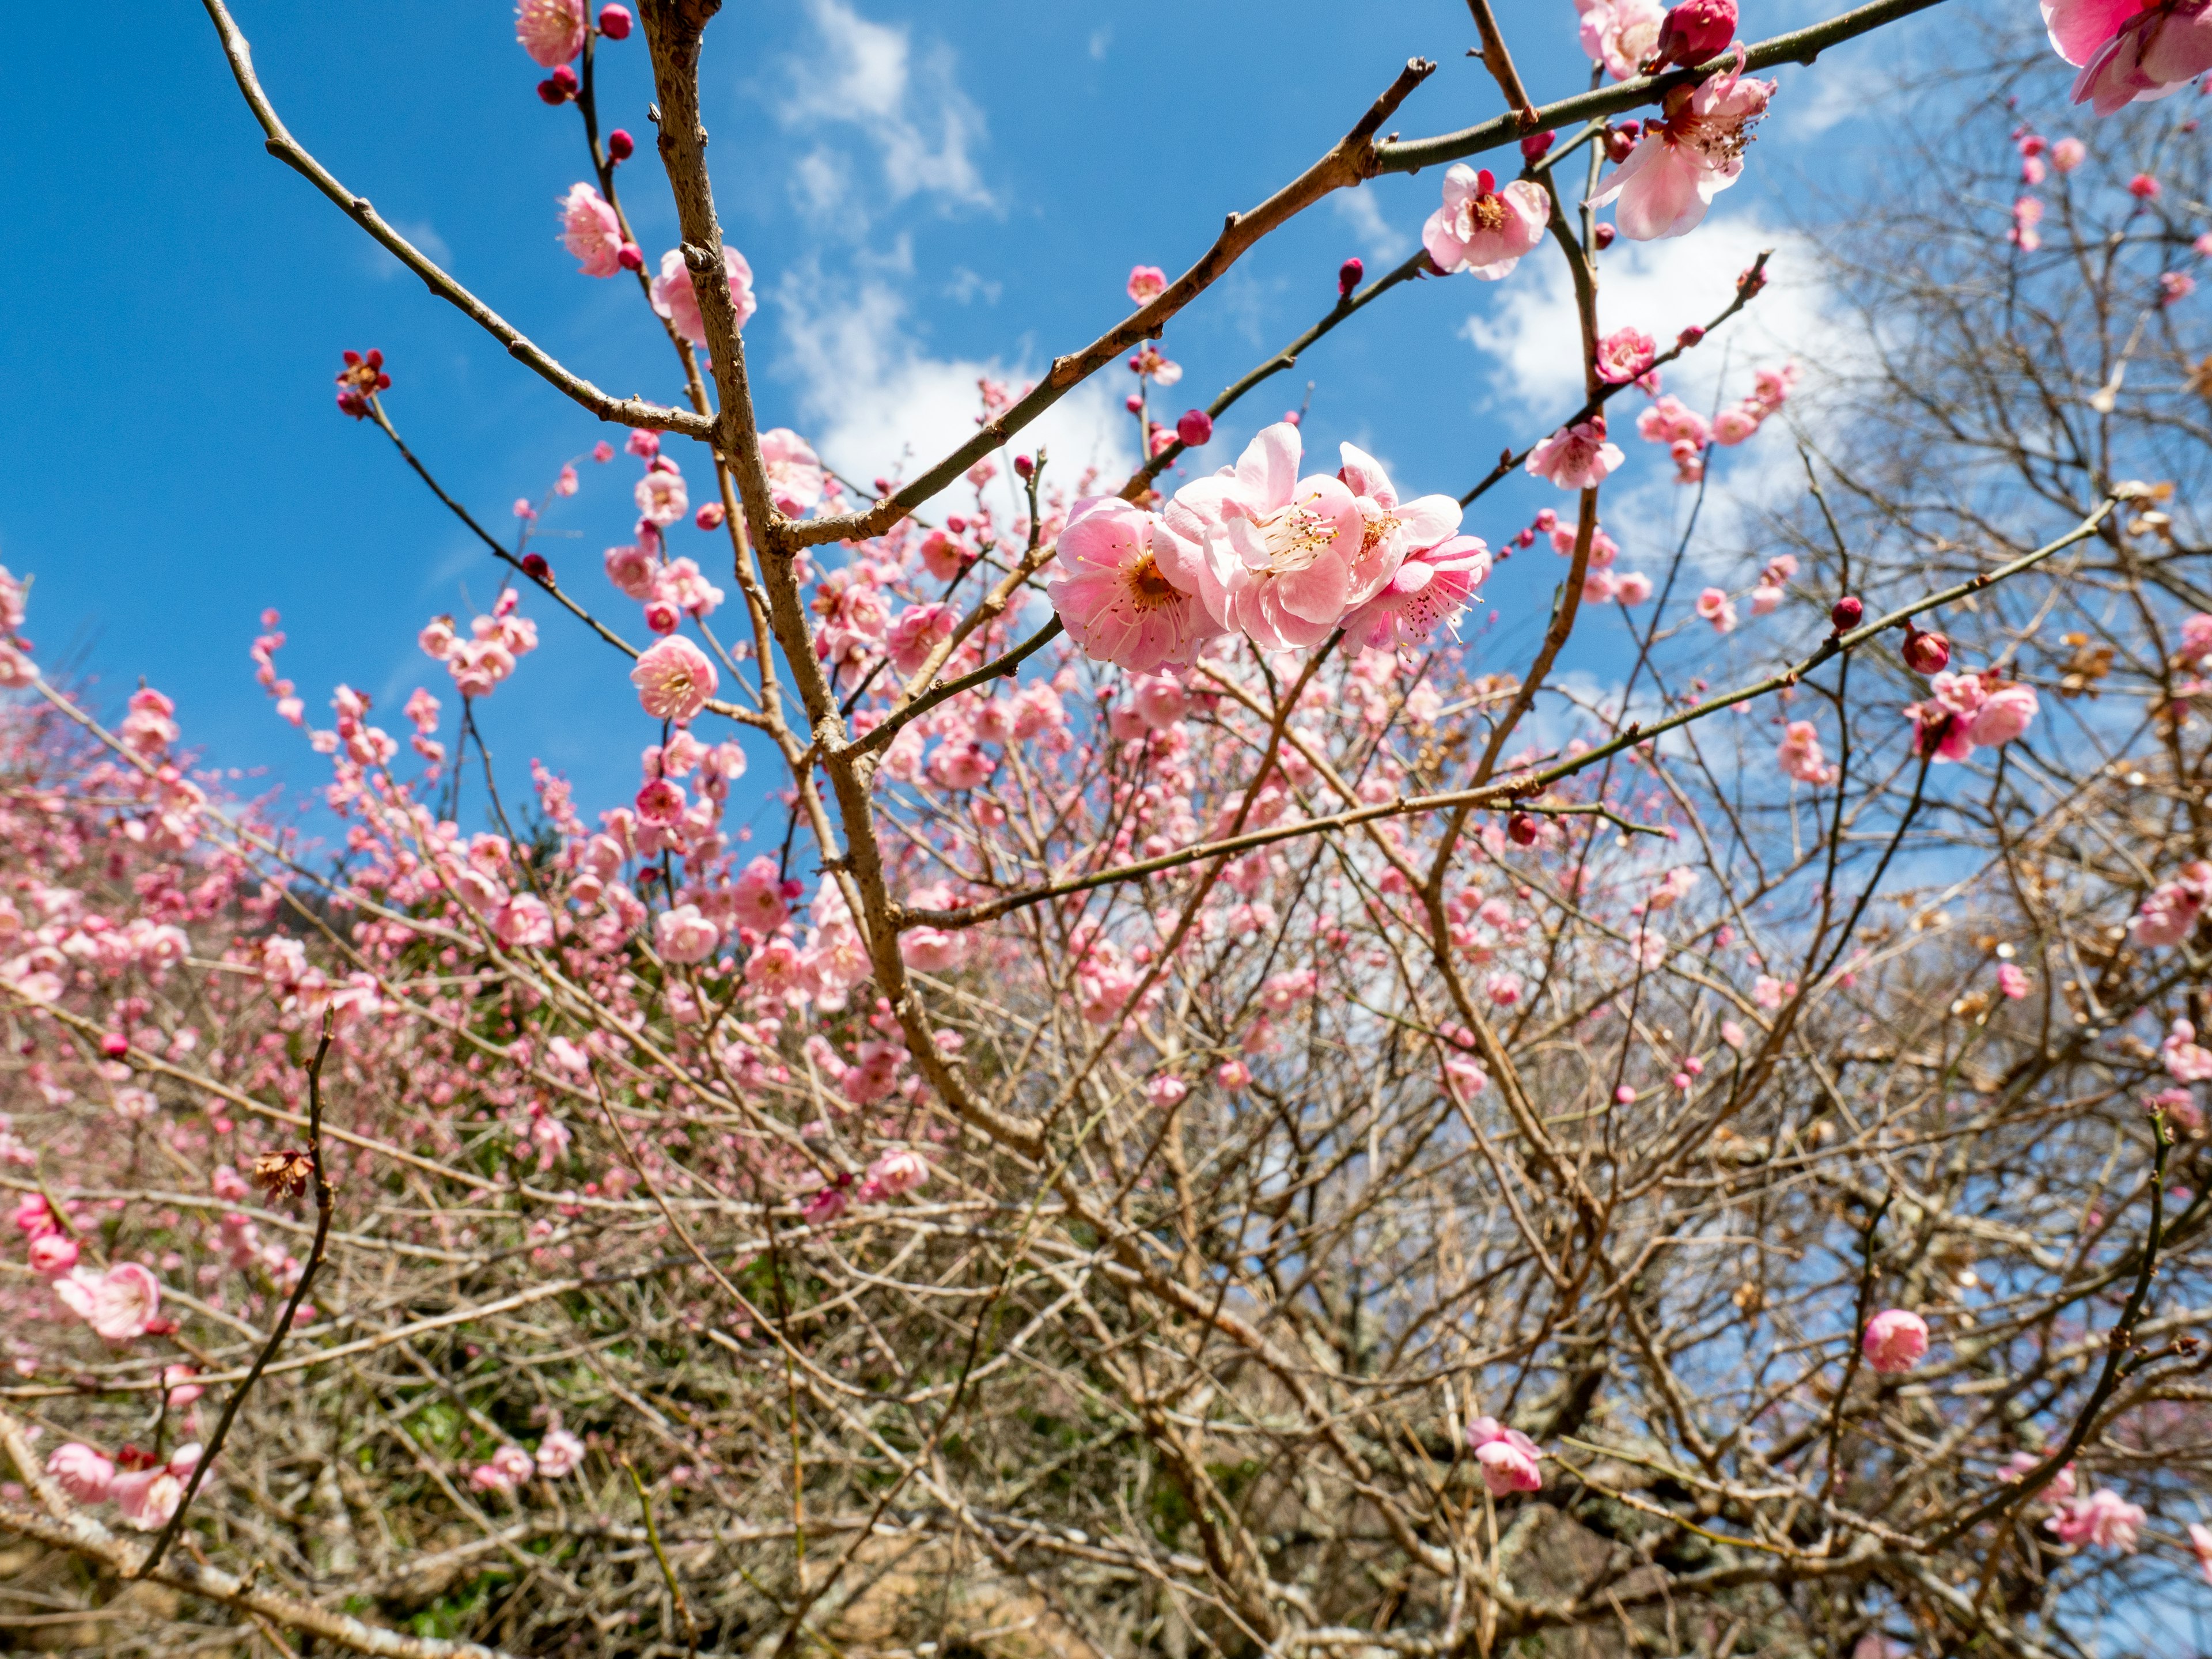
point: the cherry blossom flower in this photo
(683, 934)
(1147, 283)
(899, 1171)
(1509, 1458)
(590, 230)
(675, 298)
(2170, 913)
(2012, 983)
(794, 472)
(674, 680)
(2068, 153)
(2200, 1545)
(661, 497)
(1623, 355)
(1482, 229)
(2104, 1520)
(146, 1498)
(1694, 32)
(53, 1254)
(1578, 456)
(559, 1453)
(2184, 1059)
(552, 31)
(82, 1473)
(1431, 590)
(1127, 588)
(2151, 54)
(1895, 1340)
(1686, 160)
(1277, 551)
(510, 1466)
(120, 1305)
(1715, 605)
(1392, 528)
(2026, 214)
(1632, 588)
(1621, 33)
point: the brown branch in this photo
(1499, 63)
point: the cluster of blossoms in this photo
(1687, 433)
(1965, 712)
(478, 662)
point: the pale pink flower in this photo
(437, 638)
(2104, 1520)
(1621, 33)
(1735, 424)
(590, 230)
(899, 1171)
(2171, 911)
(661, 497)
(1632, 588)
(2020, 1464)
(1718, 608)
(558, 1453)
(1895, 1340)
(552, 31)
(1232, 1074)
(1147, 283)
(2068, 153)
(2200, 1545)
(674, 297)
(674, 680)
(2175, 285)
(1503, 989)
(2026, 214)
(1509, 1458)
(1623, 355)
(2155, 53)
(2079, 27)
(14, 594)
(119, 1304)
(1127, 588)
(2011, 982)
(629, 568)
(82, 1473)
(147, 1497)
(1166, 1090)
(683, 934)
(794, 472)
(1686, 160)
(509, 1468)
(1482, 229)
(1576, 457)
(1670, 421)
(54, 1254)
(2004, 714)
(2185, 1060)
(1392, 528)
(523, 920)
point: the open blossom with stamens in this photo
(120, 1305)
(552, 31)
(1718, 608)
(1578, 456)
(1392, 527)
(1621, 33)
(1483, 229)
(147, 1497)
(82, 1473)
(1685, 160)
(1625, 354)
(794, 472)
(2169, 915)
(1127, 588)
(590, 230)
(1147, 283)
(674, 680)
(1430, 589)
(1277, 551)
(675, 299)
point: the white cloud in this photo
(878, 405)
(1379, 240)
(908, 106)
(1100, 40)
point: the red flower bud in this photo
(534, 567)
(1134, 402)
(1619, 142)
(1695, 32)
(1845, 613)
(1195, 427)
(630, 256)
(1691, 335)
(1605, 234)
(620, 145)
(955, 524)
(1536, 145)
(552, 92)
(1522, 828)
(615, 20)
(114, 1044)
(1347, 276)
(1024, 467)
(710, 516)
(1926, 654)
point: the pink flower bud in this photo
(708, 517)
(53, 1253)
(1845, 614)
(615, 20)
(1694, 33)
(1617, 144)
(1537, 145)
(630, 256)
(1522, 828)
(1024, 467)
(1347, 276)
(1195, 427)
(1926, 654)
(2143, 187)
(114, 1044)
(620, 145)
(1604, 234)
(1134, 402)
(1894, 1340)
(1690, 335)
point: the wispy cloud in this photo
(1379, 240)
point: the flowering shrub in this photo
(1233, 1107)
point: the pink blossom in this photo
(675, 298)
(2026, 214)
(2143, 187)
(683, 934)
(1392, 528)
(1509, 1458)
(146, 1498)
(1714, 606)
(1127, 588)
(2011, 982)
(1147, 283)
(1894, 1340)
(1694, 32)
(2157, 52)
(2171, 911)
(2020, 1464)
(552, 31)
(1623, 355)
(1576, 457)
(2200, 1545)
(82, 1473)
(509, 1468)
(661, 497)
(32, 1217)
(2068, 153)
(119, 1305)
(2104, 1520)
(1735, 424)
(437, 638)
(590, 230)
(2175, 285)
(523, 920)
(794, 472)
(1621, 33)
(1683, 161)
(2185, 1061)
(674, 680)
(899, 1171)
(14, 594)
(629, 568)
(558, 1453)
(52, 1254)
(2180, 1107)
(1482, 229)
(1670, 421)
(1232, 1074)
(2005, 712)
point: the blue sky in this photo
(922, 192)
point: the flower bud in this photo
(1522, 828)
(615, 20)
(1694, 33)
(620, 145)
(1604, 234)
(1926, 654)
(1845, 613)
(883, 487)
(1348, 274)
(1024, 468)
(1195, 427)
(630, 256)
(710, 516)
(1619, 142)
(534, 567)
(1690, 335)
(1134, 402)
(1536, 145)
(114, 1044)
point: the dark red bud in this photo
(1196, 426)
(1691, 335)
(1617, 144)
(1536, 145)
(614, 22)
(1845, 613)
(565, 78)
(1347, 276)
(1024, 467)
(1604, 234)
(1926, 654)
(620, 145)
(883, 486)
(1522, 828)
(534, 567)
(630, 256)
(955, 524)
(552, 91)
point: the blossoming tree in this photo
(1233, 1118)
